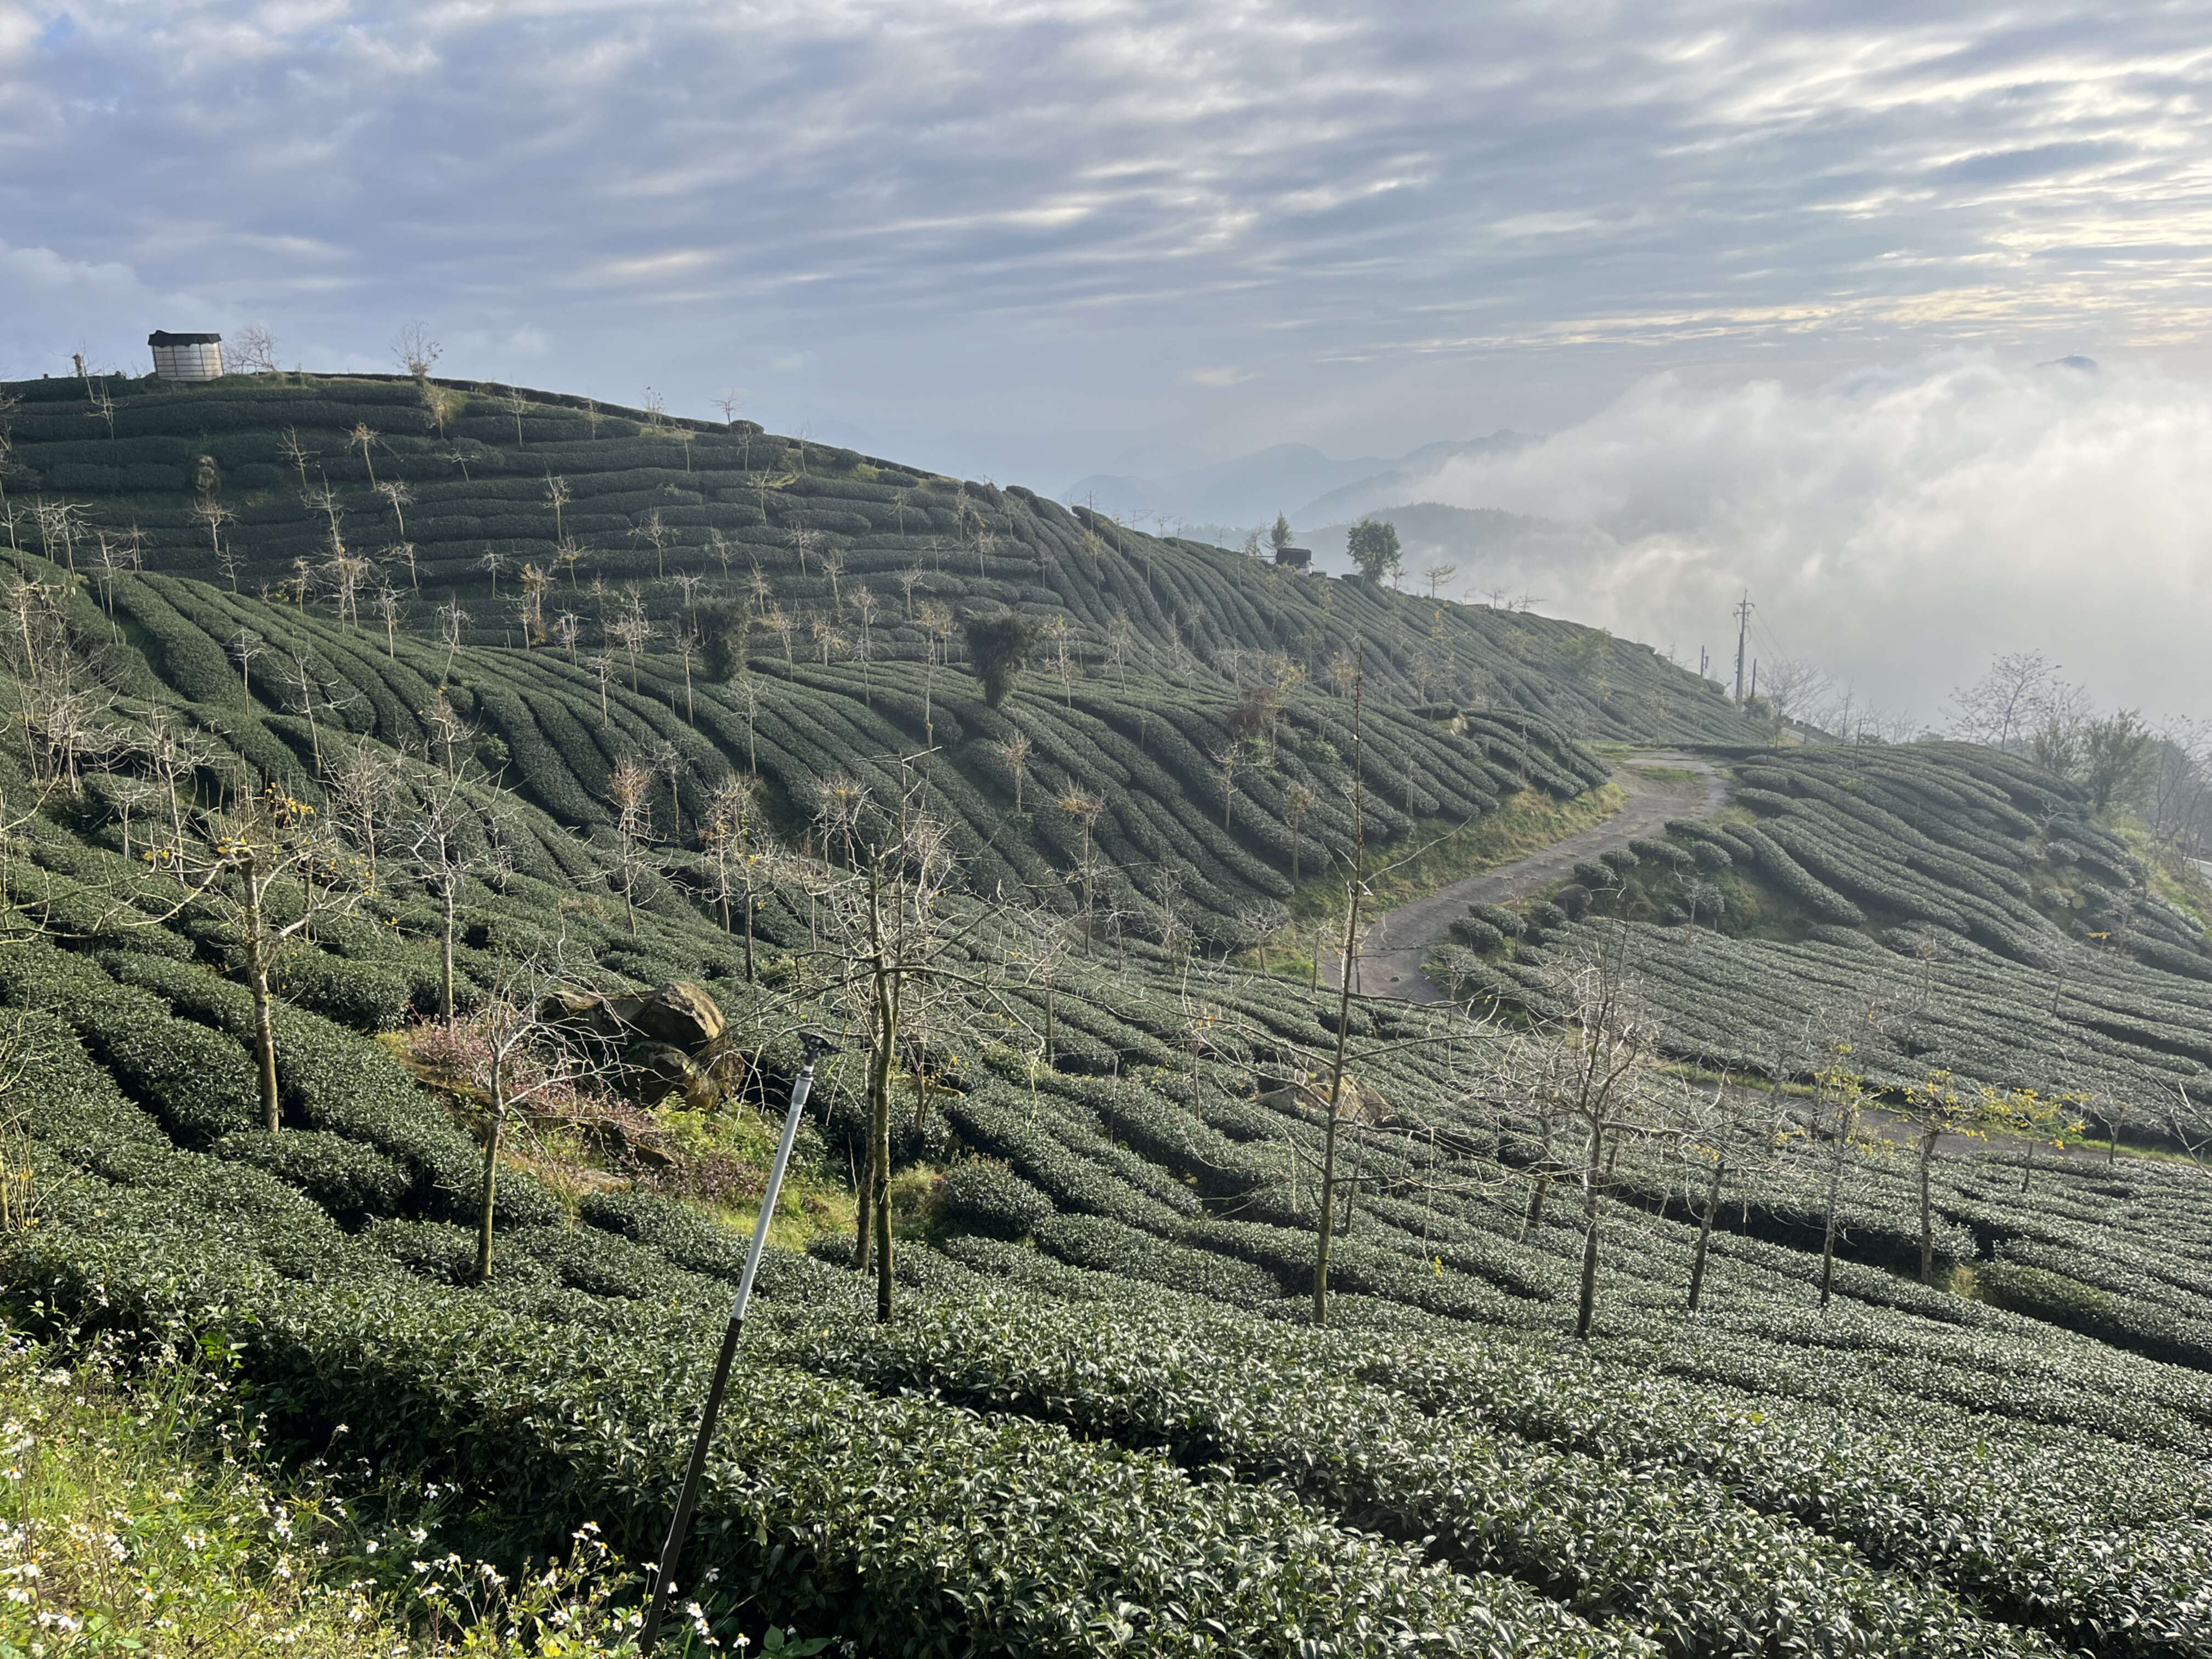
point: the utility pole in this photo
(1704, 663)
(1743, 609)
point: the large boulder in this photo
(1356, 1101)
(677, 1013)
(669, 1041)
(653, 1072)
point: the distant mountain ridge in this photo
(1294, 478)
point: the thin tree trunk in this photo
(1927, 1217)
(1705, 1230)
(1335, 1101)
(880, 1096)
(446, 953)
(1592, 1182)
(1359, 1175)
(264, 1023)
(1828, 1229)
(492, 1136)
(1539, 1184)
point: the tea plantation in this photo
(1104, 1417)
(1967, 899)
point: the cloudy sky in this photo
(1034, 240)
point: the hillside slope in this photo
(452, 480)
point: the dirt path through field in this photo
(1400, 938)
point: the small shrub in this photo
(998, 646)
(359, 995)
(984, 1195)
(1476, 934)
(1508, 922)
(2042, 1294)
(346, 1178)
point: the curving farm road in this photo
(1399, 940)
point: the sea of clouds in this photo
(1898, 528)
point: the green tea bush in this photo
(362, 996)
(350, 1181)
(983, 1195)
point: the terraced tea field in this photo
(1107, 1412)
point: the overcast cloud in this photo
(1034, 240)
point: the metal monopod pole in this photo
(814, 1048)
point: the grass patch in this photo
(139, 1514)
(1668, 774)
(2172, 878)
(116, 1537)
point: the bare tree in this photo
(397, 496)
(890, 956)
(520, 1049)
(1792, 690)
(518, 405)
(413, 351)
(364, 796)
(2006, 703)
(267, 869)
(730, 837)
(630, 788)
(556, 497)
(633, 633)
(293, 451)
(212, 516)
(447, 847)
(653, 531)
(389, 607)
(1015, 752)
(252, 351)
(363, 437)
(451, 619)
(403, 553)
(937, 626)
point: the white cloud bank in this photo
(1895, 528)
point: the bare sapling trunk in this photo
(1539, 1184)
(864, 1236)
(264, 1019)
(881, 1064)
(1927, 1209)
(487, 1195)
(450, 896)
(1706, 1225)
(1846, 1112)
(1335, 1103)
(1594, 1177)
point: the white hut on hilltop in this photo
(185, 356)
